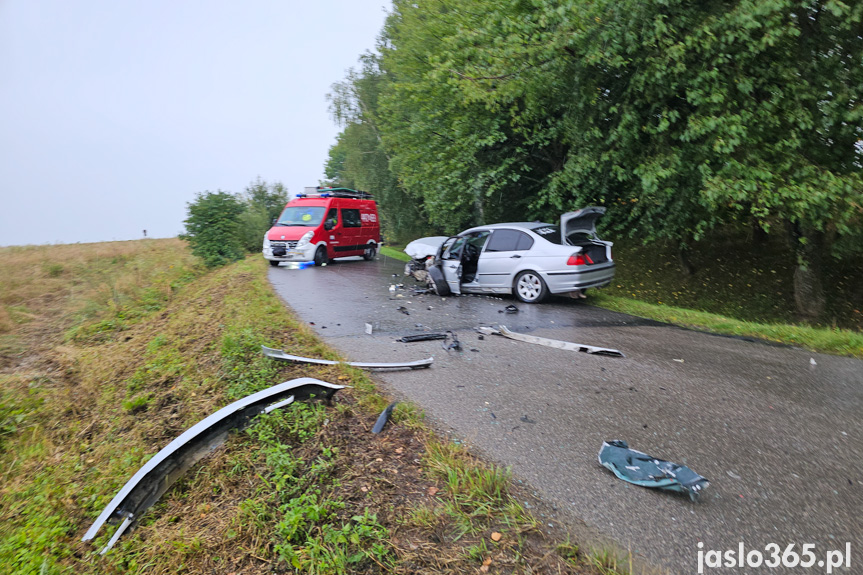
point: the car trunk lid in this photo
(579, 223)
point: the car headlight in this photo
(304, 241)
(266, 242)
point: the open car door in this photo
(448, 264)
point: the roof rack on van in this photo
(335, 193)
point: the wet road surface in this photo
(779, 437)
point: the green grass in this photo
(394, 252)
(826, 340)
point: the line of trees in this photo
(677, 116)
(222, 227)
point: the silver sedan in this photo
(527, 259)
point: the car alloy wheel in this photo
(529, 287)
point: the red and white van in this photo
(323, 224)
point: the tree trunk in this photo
(686, 266)
(808, 290)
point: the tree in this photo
(212, 227)
(263, 203)
(360, 160)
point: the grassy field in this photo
(109, 351)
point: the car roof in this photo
(529, 226)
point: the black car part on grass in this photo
(555, 343)
(383, 418)
(641, 469)
(279, 354)
(159, 473)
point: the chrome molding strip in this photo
(279, 354)
(550, 342)
(164, 468)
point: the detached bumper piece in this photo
(550, 342)
(641, 469)
(160, 472)
(279, 354)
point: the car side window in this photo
(351, 219)
(453, 250)
(332, 218)
(509, 241)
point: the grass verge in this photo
(826, 340)
(89, 397)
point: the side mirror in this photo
(328, 225)
(274, 221)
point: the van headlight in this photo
(304, 241)
(266, 242)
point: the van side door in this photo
(351, 232)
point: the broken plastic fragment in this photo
(422, 337)
(159, 473)
(279, 354)
(383, 418)
(549, 342)
(641, 469)
(455, 344)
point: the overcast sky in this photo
(115, 114)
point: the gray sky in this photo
(113, 115)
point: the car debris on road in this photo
(279, 354)
(641, 469)
(455, 344)
(422, 337)
(501, 330)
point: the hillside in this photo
(109, 351)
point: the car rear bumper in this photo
(567, 281)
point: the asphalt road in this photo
(777, 430)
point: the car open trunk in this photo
(578, 229)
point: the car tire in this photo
(529, 287)
(321, 256)
(370, 252)
(274, 263)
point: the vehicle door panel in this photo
(502, 258)
(449, 261)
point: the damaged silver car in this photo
(527, 259)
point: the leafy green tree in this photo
(360, 160)
(677, 116)
(263, 203)
(213, 227)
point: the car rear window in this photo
(550, 233)
(508, 241)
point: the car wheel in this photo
(529, 287)
(274, 263)
(369, 254)
(321, 256)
